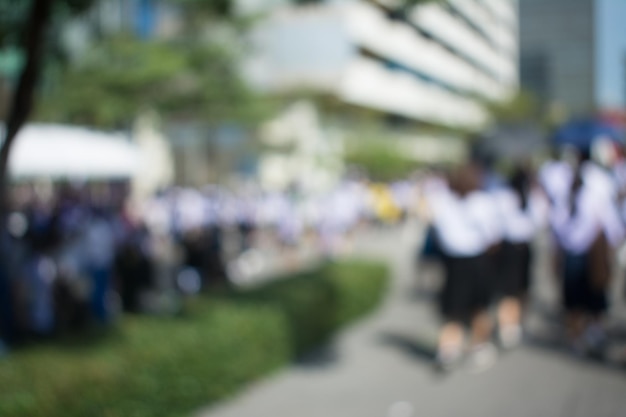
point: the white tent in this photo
(60, 151)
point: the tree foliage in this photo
(123, 75)
(381, 160)
(14, 16)
(216, 8)
(523, 107)
(186, 76)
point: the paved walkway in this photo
(381, 367)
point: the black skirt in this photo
(578, 291)
(466, 289)
(513, 271)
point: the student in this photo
(432, 184)
(461, 216)
(522, 209)
(585, 225)
(555, 176)
(99, 254)
(134, 272)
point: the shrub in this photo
(167, 367)
(309, 304)
(359, 285)
(154, 367)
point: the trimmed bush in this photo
(168, 367)
(359, 286)
(319, 302)
(309, 304)
(154, 367)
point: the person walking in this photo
(586, 226)
(523, 210)
(462, 217)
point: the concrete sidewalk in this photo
(382, 367)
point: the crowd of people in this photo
(81, 254)
(482, 229)
(62, 250)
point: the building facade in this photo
(557, 59)
(572, 53)
(426, 63)
(624, 79)
(431, 64)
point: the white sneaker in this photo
(510, 337)
(448, 359)
(482, 357)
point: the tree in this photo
(190, 75)
(160, 74)
(21, 102)
(25, 24)
(521, 108)
(33, 19)
(123, 75)
(381, 159)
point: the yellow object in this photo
(384, 206)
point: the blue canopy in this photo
(582, 133)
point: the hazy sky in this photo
(611, 53)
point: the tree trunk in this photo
(20, 107)
(22, 100)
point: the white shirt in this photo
(190, 210)
(156, 214)
(520, 224)
(465, 226)
(556, 178)
(99, 243)
(619, 173)
(402, 194)
(599, 180)
(576, 233)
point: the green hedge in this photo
(359, 286)
(168, 367)
(318, 302)
(308, 303)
